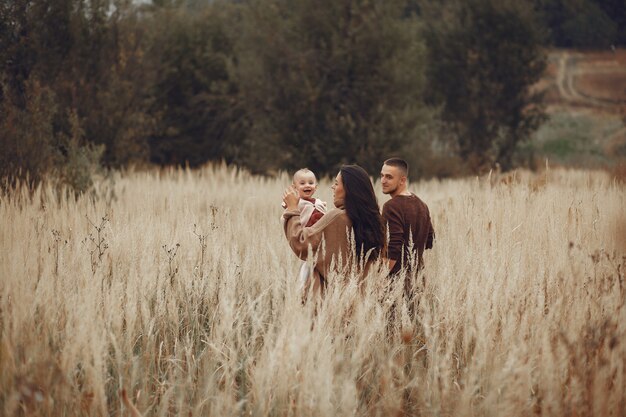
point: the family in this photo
(354, 233)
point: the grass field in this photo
(179, 287)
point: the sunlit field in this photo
(179, 288)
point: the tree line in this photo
(278, 84)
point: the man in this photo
(407, 218)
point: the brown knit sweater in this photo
(327, 239)
(408, 220)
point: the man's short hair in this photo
(399, 163)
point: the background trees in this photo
(329, 82)
(483, 57)
(71, 89)
(195, 93)
(584, 23)
(277, 84)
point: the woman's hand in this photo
(290, 198)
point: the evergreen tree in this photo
(69, 67)
(329, 81)
(195, 94)
(581, 23)
(484, 55)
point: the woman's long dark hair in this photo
(362, 208)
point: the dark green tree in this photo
(70, 67)
(581, 23)
(328, 82)
(28, 104)
(616, 11)
(484, 56)
(195, 93)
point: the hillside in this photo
(585, 94)
(588, 80)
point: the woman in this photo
(356, 214)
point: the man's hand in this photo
(290, 198)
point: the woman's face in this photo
(339, 193)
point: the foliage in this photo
(27, 142)
(81, 160)
(277, 84)
(330, 82)
(194, 91)
(70, 57)
(583, 23)
(616, 11)
(582, 139)
(483, 57)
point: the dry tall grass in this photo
(522, 312)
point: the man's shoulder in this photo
(392, 209)
(392, 202)
(417, 200)
(404, 204)
(400, 201)
(413, 200)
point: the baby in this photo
(311, 209)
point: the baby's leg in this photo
(304, 275)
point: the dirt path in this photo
(566, 74)
(570, 68)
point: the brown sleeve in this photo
(431, 235)
(302, 238)
(393, 218)
(299, 237)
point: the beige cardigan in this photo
(327, 239)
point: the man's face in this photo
(305, 184)
(391, 178)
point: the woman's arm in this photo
(301, 238)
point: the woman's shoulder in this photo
(333, 216)
(336, 212)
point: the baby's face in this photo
(305, 184)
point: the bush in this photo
(329, 82)
(483, 57)
(582, 23)
(31, 151)
(81, 159)
(71, 57)
(195, 94)
(27, 144)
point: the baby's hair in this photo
(303, 171)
